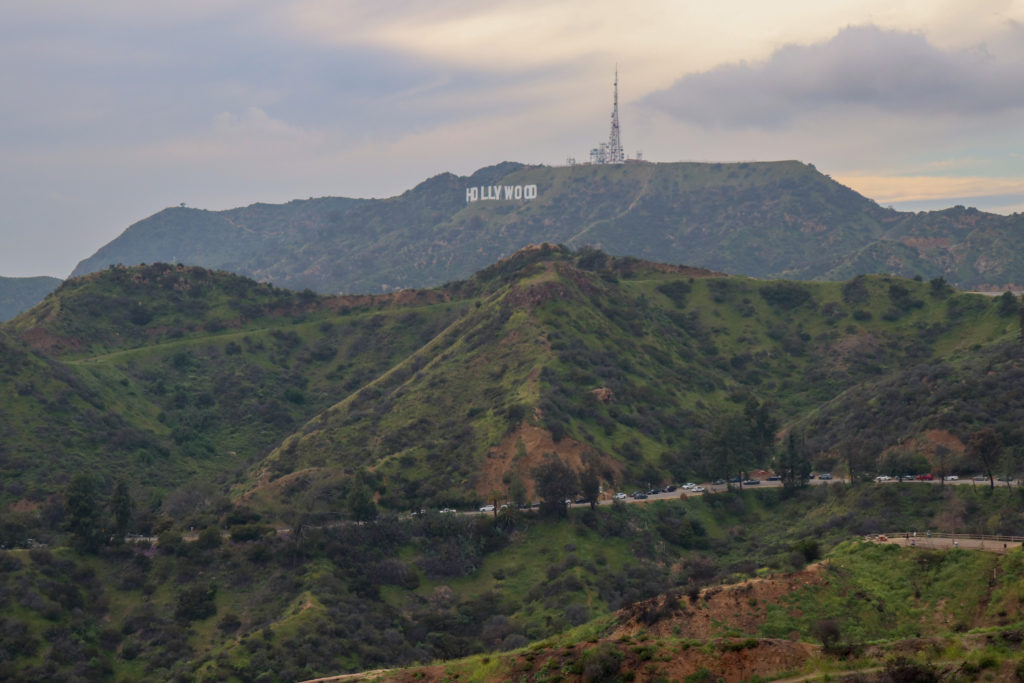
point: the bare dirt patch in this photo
(523, 450)
(718, 609)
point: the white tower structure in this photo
(614, 153)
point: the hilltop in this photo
(765, 220)
(638, 371)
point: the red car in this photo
(924, 477)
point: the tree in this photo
(123, 507)
(517, 490)
(762, 425)
(984, 447)
(590, 484)
(495, 496)
(1008, 464)
(857, 454)
(359, 501)
(556, 482)
(737, 442)
(84, 519)
(942, 468)
(196, 601)
(794, 465)
(1007, 305)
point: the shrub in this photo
(602, 663)
(209, 538)
(196, 602)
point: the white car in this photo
(697, 489)
(487, 508)
(884, 477)
(620, 496)
(952, 477)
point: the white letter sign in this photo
(497, 192)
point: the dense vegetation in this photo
(195, 385)
(235, 601)
(260, 450)
(779, 219)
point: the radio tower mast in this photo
(615, 155)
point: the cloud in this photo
(861, 68)
(903, 189)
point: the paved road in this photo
(606, 498)
(951, 541)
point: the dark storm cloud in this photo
(862, 68)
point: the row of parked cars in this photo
(931, 477)
(688, 487)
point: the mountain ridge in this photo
(761, 219)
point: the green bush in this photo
(602, 664)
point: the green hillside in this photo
(323, 600)
(637, 369)
(173, 374)
(771, 219)
(273, 443)
(648, 373)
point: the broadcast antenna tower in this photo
(615, 155)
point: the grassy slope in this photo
(549, 332)
(179, 374)
(193, 374)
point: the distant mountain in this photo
(19, 294)
(777, 219)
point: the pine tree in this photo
(123, 507)
(84, 520)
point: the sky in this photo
(115, 109)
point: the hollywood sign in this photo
(494, 192)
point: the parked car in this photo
(883, 477)
(952, 477)
(925, 477)
(640, 496)
(980, 477)
(447, 511)
(620, 496)
(735, 480)
(582, 501)
(670, 489)
(751, 482)
(826, 475)
(697, 489)
(775, 477)
(487, 508)
(718, 482)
